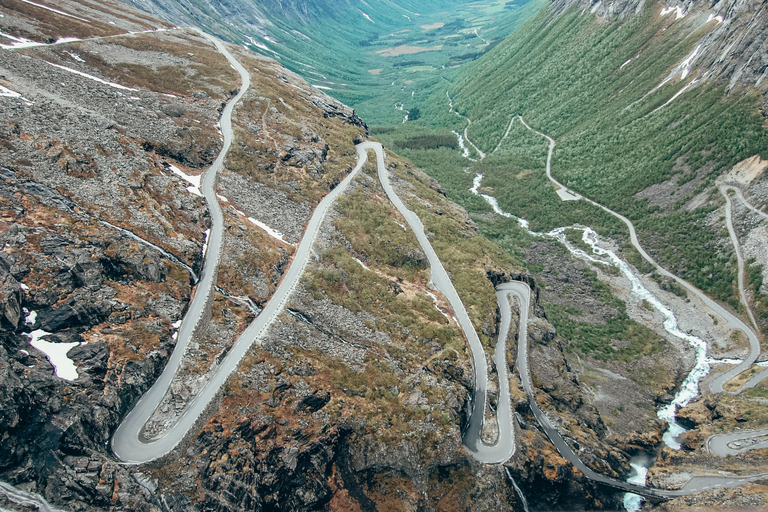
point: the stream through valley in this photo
(602, 256)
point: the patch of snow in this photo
(271, 232)
(362, 264)
(194, 181)
(76, 56)
(91, 77)
(18, 42)
(7, 93)
(678, 93)
(64, 40)
(222, 198)
(366, 16)
(31, 318)
(628, 61)
(688, 61)
(23, 286)
(24, 352)
(175, 326)
(205, 244)
(322, 87)
(719, 19)
(409, 18)
(55, 10)
(267, 38)
(679, 12)
(56, 353)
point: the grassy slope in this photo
(565, 76)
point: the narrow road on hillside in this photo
(732, 321)
(127, 442)
(505, 446)
(522, 293)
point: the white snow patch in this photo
(176, 326)
(31, 318)
(409, 18)
(366, 16)
(222, 198)
(91, 77)
(7, 93)
(55, 10)
(23, 286)
(679, 12)
(194, 181)
(267, 38)
(76, 57)
(688, 61)
(362, 264)
(271, 232)
(322, 87)
(205, 244)
(716, 17)
(18, 42)
(56, 353)
(628, 61)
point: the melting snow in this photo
(322, 87)
(205, 244)
(55, 10)
(7, 93)
(194, 181)
(366, 16)
(56, 353)
(679, 13)
(688, 61)
(23, 286)
(362, 264)
(715, 17)
(18, 42)
(628, 61)
(271, 232)
(75, 56)
(175, 326)
(91, 77)
(31, 318)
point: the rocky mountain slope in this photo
(355, 400)
(733, 53)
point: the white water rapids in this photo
(690, 387)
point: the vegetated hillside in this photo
(632, 103)
(355, 399)
(379, 57)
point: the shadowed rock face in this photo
(733, 52)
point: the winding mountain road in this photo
(128, 443)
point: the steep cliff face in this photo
(733, 48)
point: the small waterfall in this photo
(158, 249)
(517, 489)
(26, 499)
